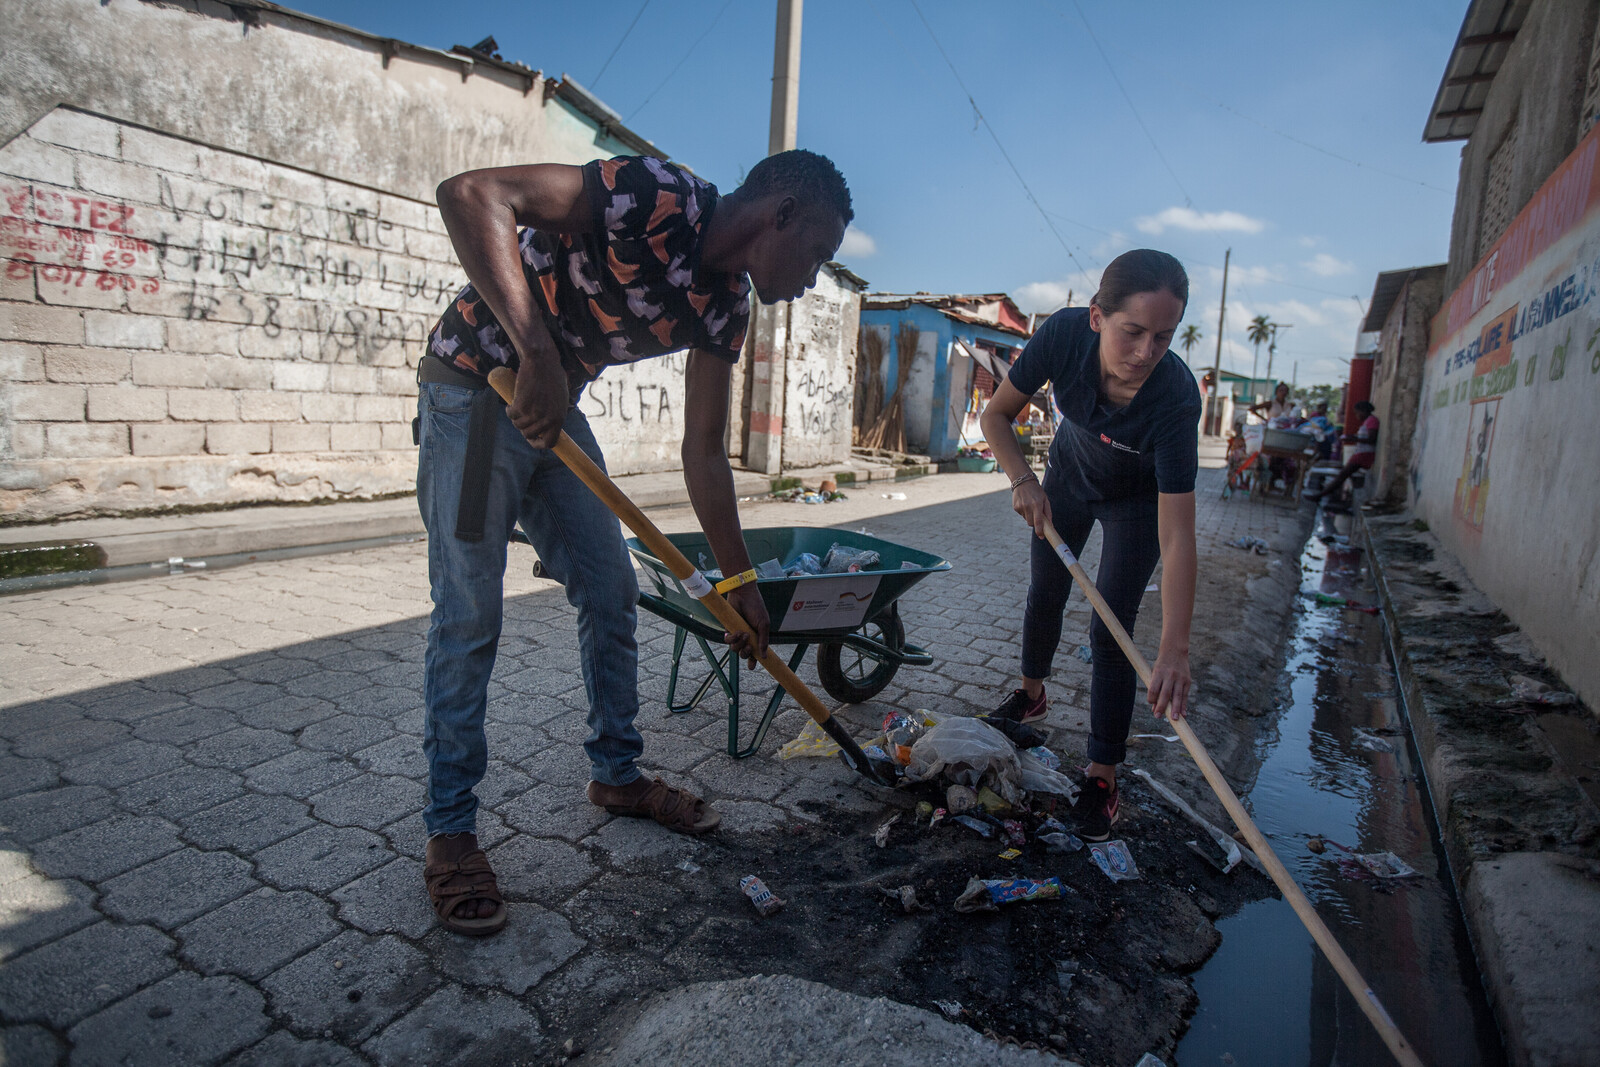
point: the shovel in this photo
(1366, 999)
(695, 583)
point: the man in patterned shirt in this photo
(574, 269)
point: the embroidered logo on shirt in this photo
(1119, 445)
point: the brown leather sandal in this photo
(672, 807)
(469, 878)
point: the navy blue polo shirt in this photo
(1102, 454)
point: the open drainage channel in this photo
(1342, 769)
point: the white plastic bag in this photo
(963, 751)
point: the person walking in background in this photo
(1125, 455)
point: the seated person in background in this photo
(1365, 440)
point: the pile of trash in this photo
(826, 493)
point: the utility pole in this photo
(769, 325)
(1214, 418)
(785, 79)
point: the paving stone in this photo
(13, 863)
(612, 912)
(544, 869)
(723, 776)
(235, 695)
(371, 800)
(106, 848)
(120, 763)
(380, 701)
(632, 844)
(300, 773)
(78, 975)
(345, 733)
(283, 1049)
(247, 824)
(19, 775)
(195, 679)
(72, 737)
(534, 942)
(321, 858)
(392, 899)
(400, 756)
(29, 1046)
(185, 725)
(35, 909)
(562, 765)
(749, 817)
(129, 702)
(241, 747)
(256, 934)
(181, 792)
(409, 836)
(554, 811)
(325, 684)
(184, 1019)
(456, 1026)
(288, 712)
(273, 668)
(351, 986)
(177, 888)
(502, 782)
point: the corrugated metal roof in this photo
(1384, 292)
(1486, 35)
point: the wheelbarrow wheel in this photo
(851, 675)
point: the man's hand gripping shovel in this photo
(1366, 999)
(504, 383)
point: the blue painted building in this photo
(955, 345)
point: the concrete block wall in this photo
(184, 325)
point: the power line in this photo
(1137, 117)
(976, 110)
(617, 49)
(716, 19)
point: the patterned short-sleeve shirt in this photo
(629, 289)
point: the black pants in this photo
(1129, 549)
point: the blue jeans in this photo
(1130, 547)
(580, 543)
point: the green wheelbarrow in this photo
(853, 618)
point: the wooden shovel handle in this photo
(1366, 999)
(504, 383)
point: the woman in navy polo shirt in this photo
(1125, 456)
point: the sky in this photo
(1018, 145)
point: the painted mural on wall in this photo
(1505, 455)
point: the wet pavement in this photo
(1342, 769)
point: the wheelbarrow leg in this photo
(773, 702)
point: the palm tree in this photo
(1259, 331)
(1189, 338)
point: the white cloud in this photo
(1048, 296)
(1310, 242)
(1325, 266)
(857, 244)
(1187, 218)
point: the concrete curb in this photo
(140, 540)
(1533, 914)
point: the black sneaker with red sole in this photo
(1020, 707)
(1097, 809)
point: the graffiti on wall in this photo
(314, 268)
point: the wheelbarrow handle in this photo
(1366, 999)
(567, 450)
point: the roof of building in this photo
(1386, 290)
(484, 55)
(1487, 32)
(997, 311)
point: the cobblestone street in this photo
(211, 784)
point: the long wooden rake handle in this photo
(1365, 997)
(695, 583)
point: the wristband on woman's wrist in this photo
(1027, 476)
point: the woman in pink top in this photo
(1365, 448)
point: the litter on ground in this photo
(987, 894)
(1114, 860)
